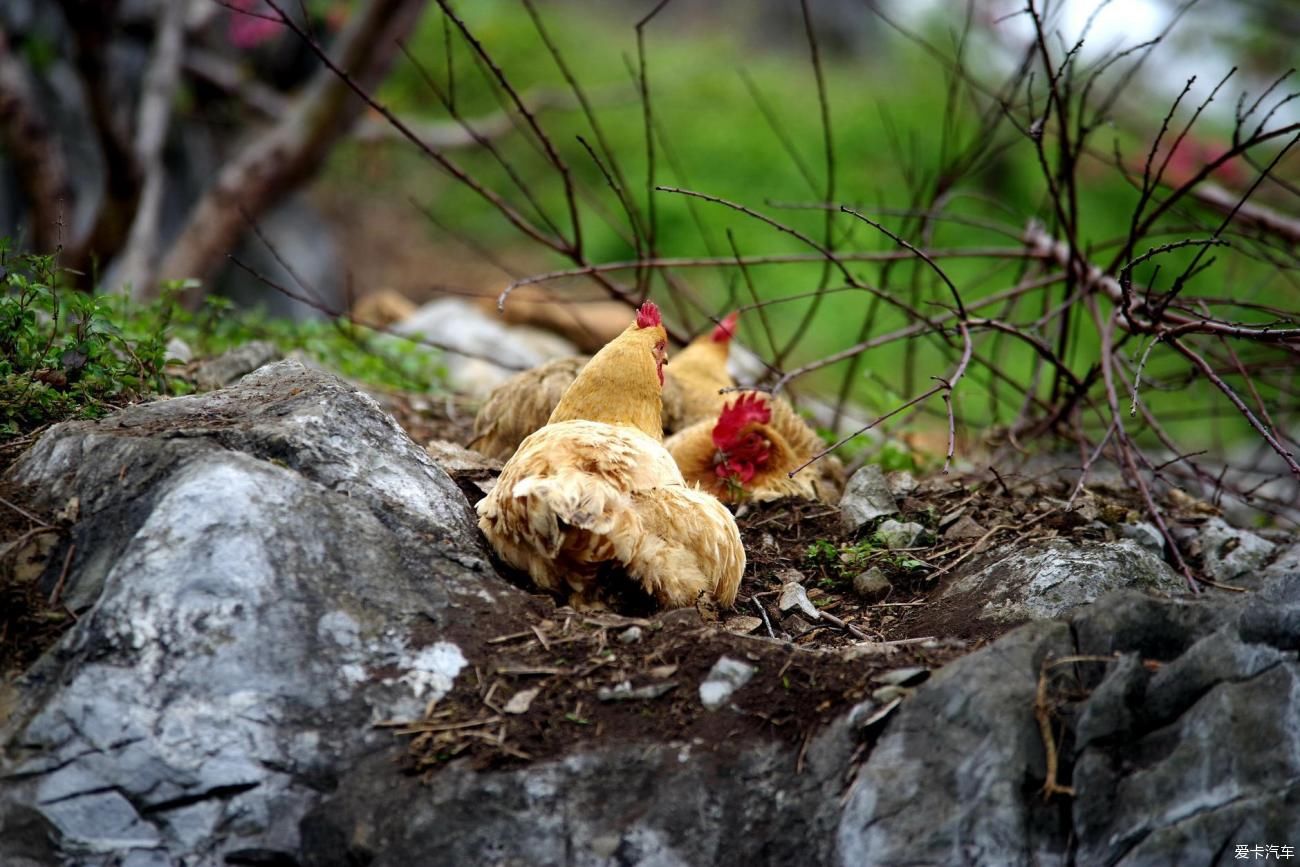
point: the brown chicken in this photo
(593, 497)
(696, 377)
(749, 449)
(523, 403)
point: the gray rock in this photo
(1230, 553)
(726, 676)
(179, 350)
(872, 584)
(897, 534)
(1145, 534)
(866, 497)
(645, 803)
(947, 781)
(1273, 616)
(963, 528)
(901, 483)
(494, 351)
(226, 368)
(1286, 562)
(262, 569)
(1202, 756)
(1049, 579)
(795, 598)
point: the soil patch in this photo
(570, 680)
(32, 548)
(554, 680)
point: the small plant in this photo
(822, 552)
(351, 350)
(64, 353)
(70, 354)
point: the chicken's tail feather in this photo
(677, 560)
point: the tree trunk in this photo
(291, 152)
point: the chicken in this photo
(593, 495)
(522, 404)
(749, 449)
(697, 376)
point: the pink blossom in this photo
(250, 31)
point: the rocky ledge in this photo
(276, 590)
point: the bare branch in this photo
(294, 149)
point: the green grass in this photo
(69, 354)
(720, 144)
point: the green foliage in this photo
(352, 350)
(839, 563)
(68, 354)
(711, 136)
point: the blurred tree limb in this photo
(293, 150)
(31, 144)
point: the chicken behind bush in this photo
(594, 496)
(747, 451)
(523, 403)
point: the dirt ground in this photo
(32, 617)
(558, 678)
(555, 677)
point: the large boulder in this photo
(268, 570)
(1049, 579)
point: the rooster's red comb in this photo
(726, 328)
(648, 316)
(749, 408)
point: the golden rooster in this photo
(523, 403)
(747, 451)
(594, 494)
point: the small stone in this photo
(631, 635)
(876, 716)
(742, 625)
(796, 626)
(179, 350)
(795, 597)
(521, 701)
(889, 693)
(896, 534)
(624, 691)
(909, 676)
(605, 845)
(1230, 553)
(226, 368)
(901, 483)
(682, 617)
(1145, 534)
(866, 497)
(872, 584)
(964, 527)
(726, 676)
